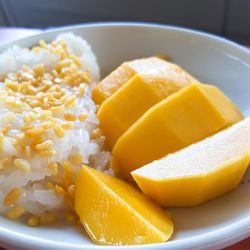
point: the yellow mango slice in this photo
(199, 172)
(135, 97)
(115, 213)
(110, 84)
(185, 117)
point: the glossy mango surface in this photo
(200, 172)
(115, 213)
(110, 84)
(136, 96)
(190, 115)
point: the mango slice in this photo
(199, 172)
(110, 84)
(115, 213)
(185, 117)
(136, 96)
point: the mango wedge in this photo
(110, 84)
(115, 213)
(191, 114)
(199, 172)
(136, 96)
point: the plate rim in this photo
(208, 240)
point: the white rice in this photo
(36, 197)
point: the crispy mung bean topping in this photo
(44, 98)
(33, 221)
(15, 212)
(12, 197)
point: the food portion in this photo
(53, 141)
(199, 172)
(110, 84)
(115, 213)
(48, 127)
(185, 117)
(136, 96)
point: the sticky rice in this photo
(48, 127)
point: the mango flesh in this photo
(115, 213)
(110, 84)
(191, 114)
(135, 97)
(200, 172)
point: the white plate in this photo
(214, 225)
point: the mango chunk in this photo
(135, 97)
(199, 172)
(110, 84)
(115, 213)
(185, 117)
